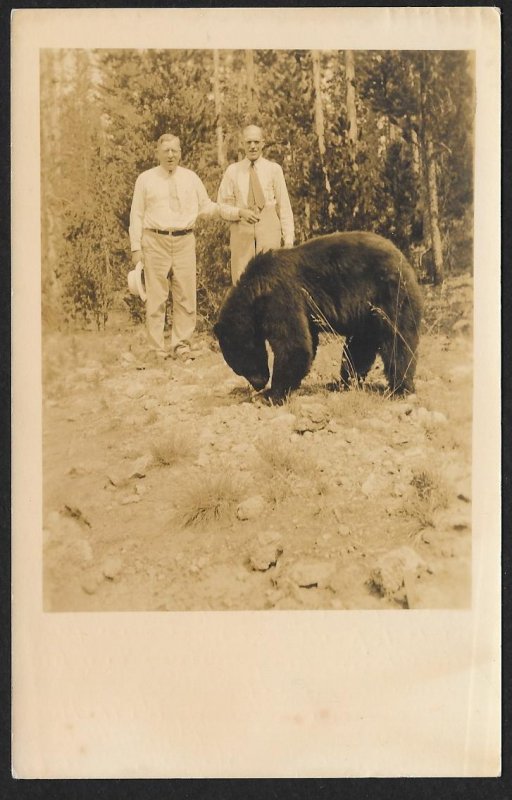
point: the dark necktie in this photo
(256, 198)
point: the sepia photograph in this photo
(258, 371)
(257, 396)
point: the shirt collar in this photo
(258, 161)
(165, 172)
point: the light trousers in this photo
(169, 261)
(246, 239)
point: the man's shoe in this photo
(155, 358)
(183, 354)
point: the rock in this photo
(77, 470)
(202, 460)
(422, 415)
(264, 557)
(313, 417)
(132, 498)
(373, 485)
(91, 582)
(150, 403)
(311, 574)
(429, 418)
(343, 530)
(111, 567)
(388, 575)
(137, 469)
(252, 508)
(400, 489)
(135, 390)
(268, 537)
(332, 426)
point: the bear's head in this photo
(244, 352)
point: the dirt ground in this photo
(173, 487)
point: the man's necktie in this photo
(174, 201)
(256, 198)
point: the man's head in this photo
(253, 142)
(168, 151)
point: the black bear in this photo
(357, 284)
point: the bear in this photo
(356, 284)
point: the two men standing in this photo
(166, 203)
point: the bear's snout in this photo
(257, 382)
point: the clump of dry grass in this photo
(282, 463)
(208, 499)
(177, 445)
(355, 404)
(430, 494)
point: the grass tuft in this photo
(175, 446)
(210, 499)
(352, 406)
(430, 494)
(282, 464)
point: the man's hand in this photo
(136, 257)
(249, 215)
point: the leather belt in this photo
(181, 232)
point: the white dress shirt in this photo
(234, 190)
(163, 201)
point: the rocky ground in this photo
(174, 487)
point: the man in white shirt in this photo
(257, 186)
(166, 203)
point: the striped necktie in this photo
(256, 198)
(174, 201)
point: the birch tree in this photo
(217, 96)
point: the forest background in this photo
(368, 140)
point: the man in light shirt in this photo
(166, 203)
(256, 185)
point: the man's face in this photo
(253, 142)
(169, 154)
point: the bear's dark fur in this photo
(357, 284)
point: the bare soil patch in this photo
(174, 487)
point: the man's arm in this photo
(208, 208)
(284, 208)
(136, 220)
(226, 198)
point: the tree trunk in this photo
(252, 105)
(217, 96)
(307, 219)
(433, 209)
(429, 159)
(415, 148)
(350, 75)
(319, 122)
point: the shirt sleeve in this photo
(137, 215)
(208, 208)
(284, 208)
(226, 198)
